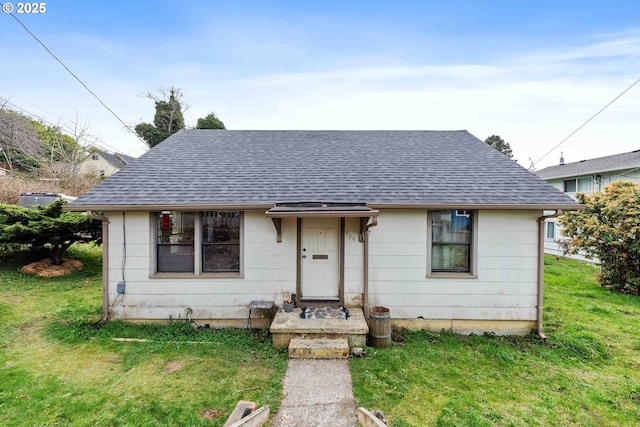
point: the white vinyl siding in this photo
(505, 286)
(268, 272)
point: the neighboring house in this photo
(586, 176)
(103, 164)
(437, 226)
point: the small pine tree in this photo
(499, 144)
(48, 228)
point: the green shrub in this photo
(609, 229)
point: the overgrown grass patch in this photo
(585, 374)
(59, 364)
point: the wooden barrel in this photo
(379, 327)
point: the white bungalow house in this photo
(437, 226)
(103, 164)
(586, 176)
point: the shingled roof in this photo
(615, 162)
(253, 169)
(117, 160)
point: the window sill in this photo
(452, 276)
(196, 276)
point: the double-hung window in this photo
(191, 242)
(175, 240)
(221, 242)
(451, 241)
(551, 230)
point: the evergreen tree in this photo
(499, 144)
(168, 119)
(48, 228)
(210, 122)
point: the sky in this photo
(531, 72)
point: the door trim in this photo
(341, 229)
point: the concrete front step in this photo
(319, 348)
(286, 326)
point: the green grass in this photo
(60, 366)
(586, 374)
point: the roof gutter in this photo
(539, 305)
(105, 262)
(478, 206)
(157, 208)
(355, 212)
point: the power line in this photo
(26, 100)
(76, 77)
(585, 123)
(68, 128)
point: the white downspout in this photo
(540, 302)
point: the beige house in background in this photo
(437, 226)
(103, 164)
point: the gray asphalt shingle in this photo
(615, 162)
(117, 160)
(214, 167)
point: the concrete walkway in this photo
(317, 393)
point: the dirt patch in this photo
(210, 413)
(172, 366)
(47, 268)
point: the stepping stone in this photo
(318, 348)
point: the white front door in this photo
(320, 274)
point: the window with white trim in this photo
(551, 230)
(190, 242)
(578, 185)
(570, 185)
(451, 241)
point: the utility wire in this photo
(76, 77)
(585, 123)
(66, 127)
(69, 125)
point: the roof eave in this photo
(164, 207)
(479, 206)
(267, 206)
(585, 173)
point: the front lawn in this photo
(587, 374)
(60, 366)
